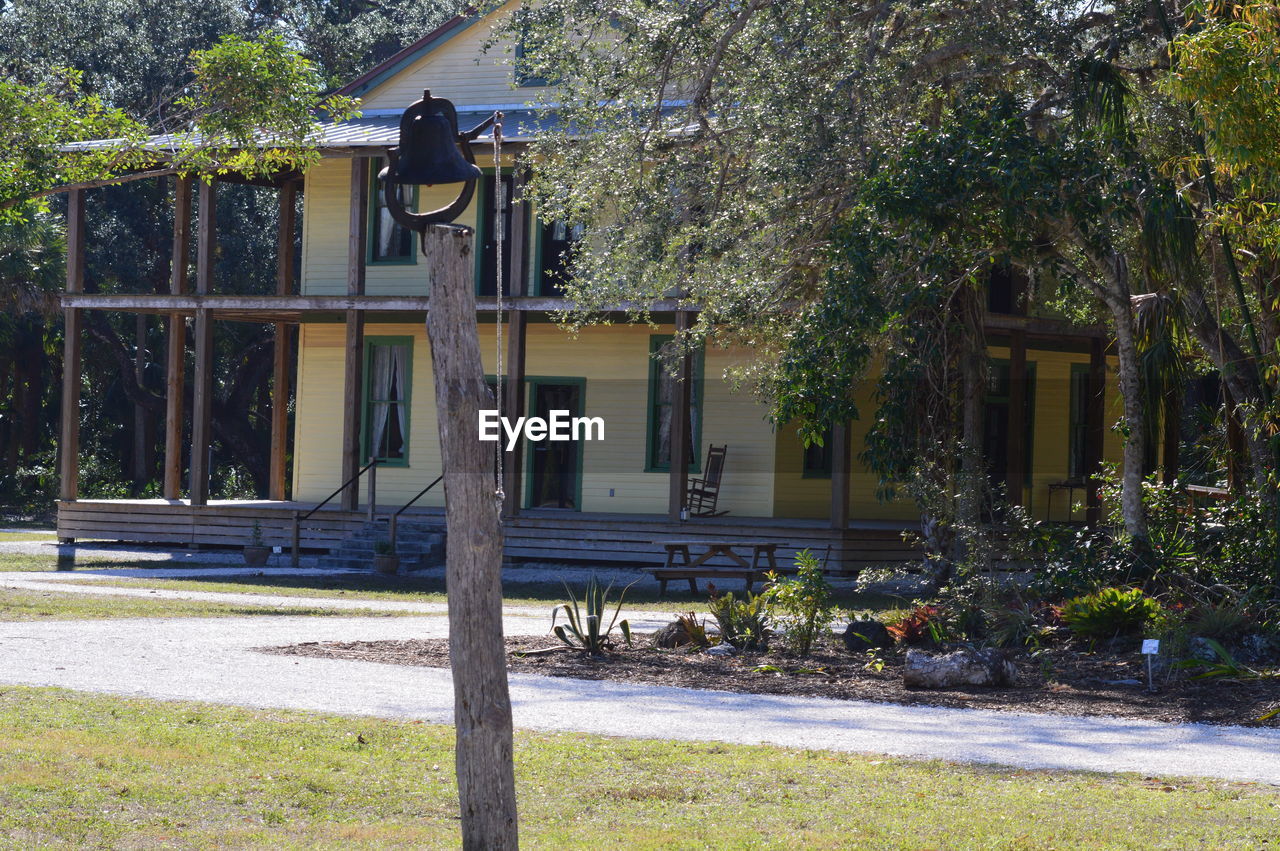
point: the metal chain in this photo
(499, 225)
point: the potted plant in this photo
(256, 552)
(385, 560)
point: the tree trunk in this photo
(972, 484)
(1113, 268)
(482, 705)
(1135, 450)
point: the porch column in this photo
(513, 401)
(513, 405)
(840, 469)
(1095, 428)
(680, 408)
(1016, 469)
(353, 370)
(176, 364)
(69, 436)
(202, 392)
(283, 346)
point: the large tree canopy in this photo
(740, 152)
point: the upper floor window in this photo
(389, 242)
(817, 459)
(556, 244)
(487, 274)
(522, 75)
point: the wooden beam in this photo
(1095, 430)
(176, 360)
(678, 481)
(353, 361)
(294, 304)
(513, 407)
(1016, 465)
(280, 380)
(69, 436)
(353, 376)
(358, 226)
(841, 467)
(1041, 326)
(202, 392)
(517, 334)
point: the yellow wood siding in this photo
(796, 496)
(460, 70)
(614, 363)
(326, 228)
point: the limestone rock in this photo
(989, 667)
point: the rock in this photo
(672, 635)
(1121, 682)
(721, 650)
(860, 636)
(1199, 648)
(1258, 648)
(989, 667)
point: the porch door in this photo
(996, 420)
(555, 474)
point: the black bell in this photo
(429, 152)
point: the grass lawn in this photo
(34, 535)
(21, 605)
(79, 770)
(431, 589)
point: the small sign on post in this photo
(1150, 647)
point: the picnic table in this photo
(684, 563)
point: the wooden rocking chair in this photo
(704, 492)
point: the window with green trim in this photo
(662, 394)
(556, 242)
(487, 237)
(388, 385)
(523, 78)
(389, 242)
(817, 459)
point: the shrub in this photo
(583, 630)
(1018, 623)
(1109, 612)
(694, 628)
(743, 623)
(802, 605)
(918, 627)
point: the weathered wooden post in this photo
(473, 554)
(433, 152)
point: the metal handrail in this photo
(298, 516)
(395, 518)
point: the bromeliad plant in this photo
(583, 628)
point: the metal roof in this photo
(378, 130)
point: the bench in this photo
(691, 567)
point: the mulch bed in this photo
(1058, 681)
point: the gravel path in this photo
(212, 660)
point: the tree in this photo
(133, 56)
(724, 132)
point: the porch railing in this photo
(299, 517)
(395, 518)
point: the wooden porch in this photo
(541, 535)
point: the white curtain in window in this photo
(379, 392)
(400, 367)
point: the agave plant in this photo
(584, 625)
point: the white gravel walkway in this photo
(212, 660)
